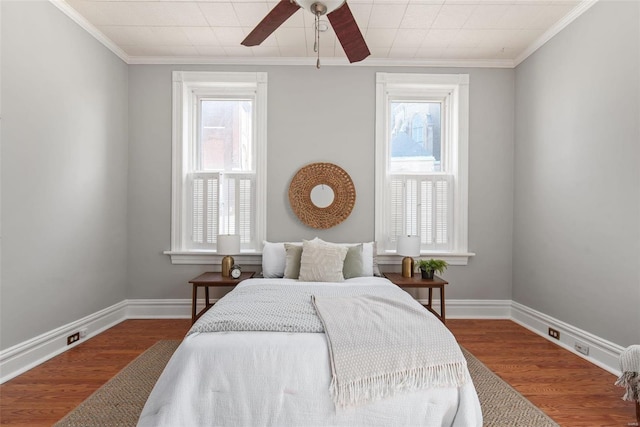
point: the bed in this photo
(284, 369)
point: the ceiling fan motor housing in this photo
(318, 9)
(324, 7)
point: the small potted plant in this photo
(430, 266)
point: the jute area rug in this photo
(119, 402)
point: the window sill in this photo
(210, 257)
(255, 258)
(457, 258)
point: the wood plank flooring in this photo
(43, 395)
(571, 390)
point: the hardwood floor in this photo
(43, 395)
(569, 389)
(572, 391)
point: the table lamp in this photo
(409, 247)
(228, 244)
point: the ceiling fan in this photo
(340, 17)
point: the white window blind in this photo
(419, 205)
(204, 207)
(221, 201)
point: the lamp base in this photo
(407, 266)
(227, 263)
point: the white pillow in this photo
(322, 262)
(370, 260)
(274, 259)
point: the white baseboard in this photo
(160, 308)
(472, 308)
(26, 355)
(602, 353)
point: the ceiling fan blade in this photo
(349, 35)
(271, 22)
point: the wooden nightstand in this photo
(206, 280)
(419, 282)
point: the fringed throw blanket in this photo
(285, 308)
(630, 377)
(381, 341)
(380, 346)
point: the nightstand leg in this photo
(206, 296)
(193, 304)
(430, 297)
(442, 304)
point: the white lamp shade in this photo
(408, 246)
(228, 244)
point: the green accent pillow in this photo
(353, 265)
(292, 261)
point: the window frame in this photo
(455, 88)
(188, 88)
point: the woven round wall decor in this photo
(312, 175)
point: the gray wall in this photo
(64, 172)
(86, 226)
(577, 175)
(86, 172)
(321, 115)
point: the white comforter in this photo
(282, 379)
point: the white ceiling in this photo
(498, 33)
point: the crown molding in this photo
(324, 62)
(555, 29)
(88, 27)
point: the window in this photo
(422, 162)
(219, 161)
